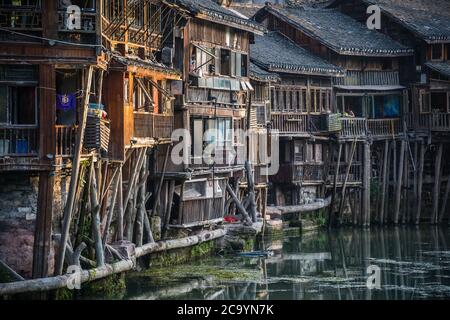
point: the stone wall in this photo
(18, 208)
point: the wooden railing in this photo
(150, 125)
(384, 127)
(436, 121)
(355, 175)
(290, 122)
(354, 127)
(19, 141)
(65, 140)
(308, 172)
(21, 18)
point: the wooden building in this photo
(302, 114)
(84, 102)
(211, 109)
(424, 26)
(369, 98)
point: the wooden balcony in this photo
(354, 128)
(354, 177)
(150, 125)
(21, 19)
(438, 122)
(382, 128)
(19, 141)
(290, 122)
(301, 173)
(65, 141)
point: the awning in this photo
(246, 86)
(371, 88)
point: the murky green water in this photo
(414, 264)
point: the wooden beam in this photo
(239, 206)
(385, 182)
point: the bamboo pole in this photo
(398, 190)
(74, 177)
(437, 184)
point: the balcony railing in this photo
(19, 141)
(384, 127)
(305, 173)
(150, 125)
(290, 122)
(355, 175)
(65, 140)
(354, 127)
(357, 78)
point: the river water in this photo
(410, 262)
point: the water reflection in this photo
(414, 263)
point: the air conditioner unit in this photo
(167, 55)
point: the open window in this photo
(18, 105)
(225, 62)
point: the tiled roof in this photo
(258, 74)
(339, 32)
(276, 53)
(213, 11)
(430, 19)
(441, 67)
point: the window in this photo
(439, 101)
(225, 62)
(437, 52)
(244, 69)
(299, 151)
(18, 105)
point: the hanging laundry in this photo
(66, 102)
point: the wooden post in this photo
(333, 197)
(141, 212)
(405, 188)
(161, 181)
(366, 184)
(384, 184)
(251, 190)
(43, 228)
(74, 177)
(437, 184)
(344, 186)
(168, 209)
(398, 191)
(120, 209)
(95, 222)
(112, 206)
(239, 205)
(132, 180)
(420, 182)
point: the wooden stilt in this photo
(112, 207)
(120, 213)
(344, 186)
(251, 190)
(437, 184)
(366, 184)
(43, 229)
(420, 182)
(398, 191)
(169, 208)
(156, 196)
(333, 196)
(384, 181)
(95, 222)
(74, 178)
(239, 205)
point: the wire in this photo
(52, 40)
